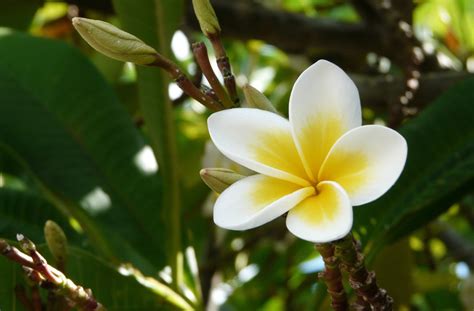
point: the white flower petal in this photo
(324, 104)
(324, 217)
(259, 140)
(366, 162)
(256, 200)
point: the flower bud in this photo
(207, 17)
(113, 42)
(219, 179)
(26, 244)
(56, 240)
(256, 99)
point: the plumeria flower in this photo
(315, 166)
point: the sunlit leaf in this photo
(64, 124)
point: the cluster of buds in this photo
(123, 46)
(40, 274)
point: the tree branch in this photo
(294, 33)
(376, 90)
(459, 248)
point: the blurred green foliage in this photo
(78, 134)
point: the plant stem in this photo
(202, 58)
(332, 276)
(361, 280)
(40, 272)
(185, 83)
(166, 149)
(224, 66)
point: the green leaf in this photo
(439, 169)
(25, 212)
(154, 21)
(63, 122)
(18, 14)
(114, 290)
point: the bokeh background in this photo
(74, 147)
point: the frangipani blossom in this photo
(315, 166)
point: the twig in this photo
(185, 84)
(395, 27)
(224, 66)
(196, 79)
(202, 59)
(332, 276)
(14, 254)
(42, 274)
(360, 279)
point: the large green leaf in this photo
(113, 290)
(62, 121)
(439, 169)
(25, 212)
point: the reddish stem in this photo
(332, 276)
(202, 59)
(224, 66)
(361, 280)
(185, 84)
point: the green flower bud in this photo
(113, 42)
(219, 179)
(256, 99)
(207, 17)
(56, 240)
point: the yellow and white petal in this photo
(366, 162)
(259, 140)
(324, 104)
(256, 200)
(324, 217)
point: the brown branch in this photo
(361, 280)
(375, 90)
(185, 83)
(333, 277)
(223, 63)
(294, 33)
(196, 79)
(202, 59)
(393, 19)
(14, 254)
(42, 274)
(459, 248)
